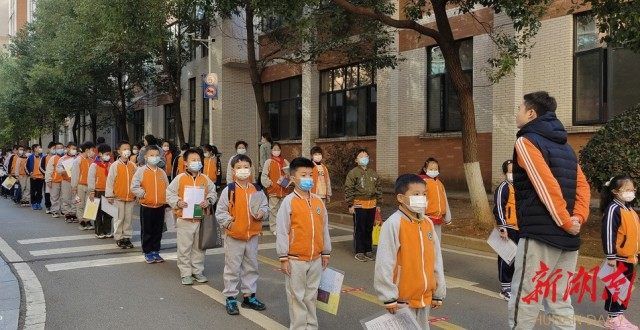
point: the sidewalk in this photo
(9, 297)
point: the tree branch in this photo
(400, 24)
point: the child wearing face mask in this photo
(36, 166)
(241, 149)
(303, 245)
(47, 191)
(210, 166)
(96, 186)
(504, 210)
(409, 271)
(438, 210)
(150, 186)
(118, 192)
(265, 152)
(178, 163)
(168, 159)
(79, 178)
(53, 180)
(135, 149)
(68, 205)
(18, 169)
(190, 256)
(243, 228)
(363, 193)
(620, 242)
(275, 173)
(321, 177)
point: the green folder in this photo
(198, 212)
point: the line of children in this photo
(409, 271)
(53, 180)
(303, 245)
(67, 197)
(96, 187)
(363, 192)
(620, 242)
(504, 210)
(275, 172)
(321, 177)
(79, 178)
(149, 184)
(190, 256)
(242, 228)
(438, 209)
(118, 192)
(36, 167)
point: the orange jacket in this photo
(320, 170)
(210, 168)
(150, 186)
(83, 174)
(270, 178)
(504, 206)
(234, 214)
(37, 172)
(55, 176)
(65, 176)
(175, 191)
(302, 228)
(621, 233)
(168, 160)
(119, 181)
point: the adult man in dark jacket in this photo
(552, 202)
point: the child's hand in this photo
(611, 263)
(92, 196)
(260, 215)
(285, 267)
(325, 262)
(111, 200)
(182, 204)
(352, 210)
(435, 304)
(392, 309)
(204, 204)
(503, 233)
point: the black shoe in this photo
(232, 306)
(128, 244)
(253, 303)
(120, 244)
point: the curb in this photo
(9, 297)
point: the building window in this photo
(284, 103)
(204, 137)
(604, 77)
(192, 111)
(443, 111)
(138, 125)
(170, 123)
(348, 102)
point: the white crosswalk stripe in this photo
(87, 248)
(61, 238)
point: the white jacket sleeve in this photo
(264, 178)
(438, 270)
(222, 210)
(386, 259)
(91, 178)
(283, 226)
(447, 216)
(229, 171)
(212, 195)
(111, 180)
(75, 172)
(172, 192)
(48, 174)
(326, 250)
(136, 187)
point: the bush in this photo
(614, 149)
(340, 159)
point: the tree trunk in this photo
(463, 88)
(175, 91)
(93, 115)
(75, 128)
(255, 72)
(54, 133)
(121, 112)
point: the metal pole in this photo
(210, 45)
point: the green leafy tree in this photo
(619, 21)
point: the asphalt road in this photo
(89, 283)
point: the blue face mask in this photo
(306, 184)
(364, 161)
(195, 166)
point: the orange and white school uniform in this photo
(97, 184)
(303, 239)
(321, 181)
(438, 206)
(150, 186)
(190, 258)
(409, 269)
(241, 242)
(274, 180)
(53, 178)
(79, 178)
(119, 187)
(210, 168)
(68, 202)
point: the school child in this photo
(36, 169)
(438, 209)
(243, 228)
(303, 245)
(190, 256)
(363, 192)
(79, 177)
(620, 241)
(118, 192)
(178, 163)
(275, 178)
(96, 186)
(504, 210)
(150, 186)
(18, 168)
(68, 201)
(51, 152)
(321, 177)
(210, 166)
(53, 180)
(408, 271)
(135, 149)
(168, 159)
(241, 149)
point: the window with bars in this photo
(283, 101)
(170, 132)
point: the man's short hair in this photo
(299, 162)
(240, 142)
(240, 158)
(505, 166)
(123, 142)
(361, 150)
(103, 147)
(192, 151)
(153, 147)
(316, 150)
(87, 145)
(34, 146)
(540, 102)
(71, 144)
(404, 180)
(51, 144)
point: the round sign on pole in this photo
(212, 79)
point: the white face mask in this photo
(135, 151)
(73, 152)
(207, 154)
(165, 148)
(433, 174)
(126, 153)
(243, 173)
(417, 204)
(275, 153)
(241, 151)
(510, 177)
(317, 158)
(106, 158)
(627, 196)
